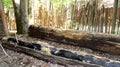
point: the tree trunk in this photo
(31, 11)
(21, 15)
(24, 15)
(3, 23)
(101, 42)
(106, 20)
(17, 17)
(114, 15)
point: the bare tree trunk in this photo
(106, 20)
(24, 15)
(2, 19)
(114, 15)
(17, 16)
(21, 15)
(102, 19)
(31, 12)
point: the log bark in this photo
(96, 41)
(47, 58)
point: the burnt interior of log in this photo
(25, 44)
(47, 58)
(69, 58)
(59, 56)
(53, 51)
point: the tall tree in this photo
(17, 17)
(2, 19)
(24, 15)
(21, 15)
(114, 15)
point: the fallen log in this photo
(102, 42)
(47, 58)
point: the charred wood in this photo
(47, 58)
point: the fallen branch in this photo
(4, 51)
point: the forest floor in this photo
(22, 60)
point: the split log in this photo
(96, 41)
(47, 58)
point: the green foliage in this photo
(58, 4)
(7, 3)
(74, 25)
